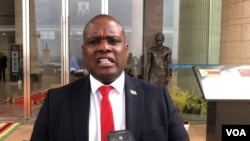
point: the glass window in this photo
(130, 14)
(45, 48)
(123, 13)
(189, 32)
(80, 11)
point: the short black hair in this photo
(104, 16)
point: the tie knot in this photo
(105, 90)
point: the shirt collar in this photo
(118, 84)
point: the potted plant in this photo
(187, 103)
(196, 105)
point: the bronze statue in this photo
(159, 60)
(132, 65)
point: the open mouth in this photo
(105, 61)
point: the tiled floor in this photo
(197, 132)
(22, 133)
(13, 90)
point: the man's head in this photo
(159, 38)
(104, 49)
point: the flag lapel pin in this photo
(133, 92)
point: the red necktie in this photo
(107, 122)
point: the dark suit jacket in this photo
(150, 114)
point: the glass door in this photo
(129, 13)
(80, 11)
(42, 42)
(11, 89)
(45, 49)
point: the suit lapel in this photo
(134, 105)
(80, 109)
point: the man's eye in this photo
(94, 42)
(114, 41)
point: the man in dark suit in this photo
(72, 112)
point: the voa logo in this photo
(236, 132)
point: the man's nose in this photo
(104, 46)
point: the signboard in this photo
(224, 82)
(15, 55)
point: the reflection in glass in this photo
(45, 28)
(130, 14)
(80, 13)
(11, 47)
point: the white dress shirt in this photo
(117, 99)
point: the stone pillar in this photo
(33, 35)
(153, 23)
(34, 63)
(235, 33)
(18, 22)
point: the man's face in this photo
(104, 50)
(159, 40)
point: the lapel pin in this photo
(133, 92)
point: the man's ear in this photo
(127, 49)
